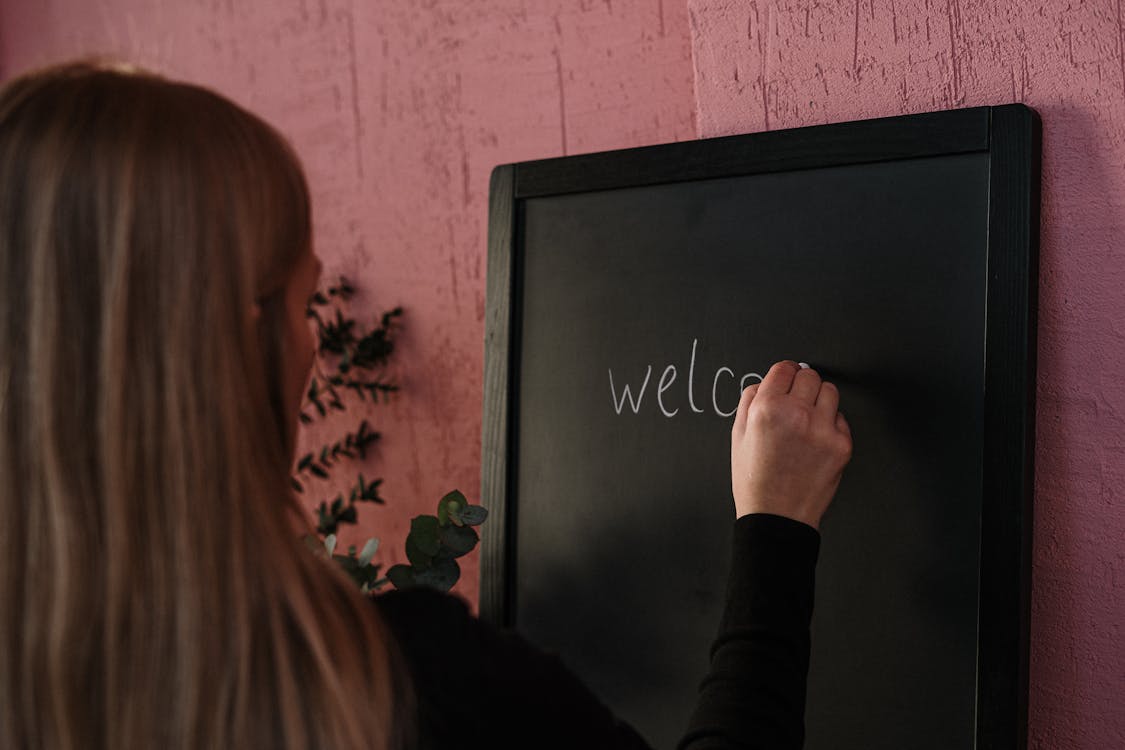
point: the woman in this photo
(156, 256)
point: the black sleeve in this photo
(753, 697)
(477, 686)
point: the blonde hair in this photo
(155, 592)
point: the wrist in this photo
(800, 515)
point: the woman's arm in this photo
(753, 696)
(789, 447)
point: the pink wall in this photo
(401, 107)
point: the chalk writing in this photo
(725, 380)
(625, 394)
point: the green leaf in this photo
(325, 521)
(474, 515)
(424, 532)
(449, 508)
(417, 557)
(371, 494)
(366, 577)
(442, 576)
(401, 576)
(459, 539)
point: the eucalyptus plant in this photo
(435, 542)
(356, 363)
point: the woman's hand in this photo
(789, 445)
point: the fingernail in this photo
(803, 365)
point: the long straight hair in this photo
(154, 591)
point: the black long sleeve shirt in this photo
(482, 687)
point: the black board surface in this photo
(632, 294)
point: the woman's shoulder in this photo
(481, 686)
(422, 608)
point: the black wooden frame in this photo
(1010, 134)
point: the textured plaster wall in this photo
(787, 63)
(400, 109)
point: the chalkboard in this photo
(632, 294)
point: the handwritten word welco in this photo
(724, 379)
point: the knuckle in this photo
(780, 416)
(766, 412)
(809, 374)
